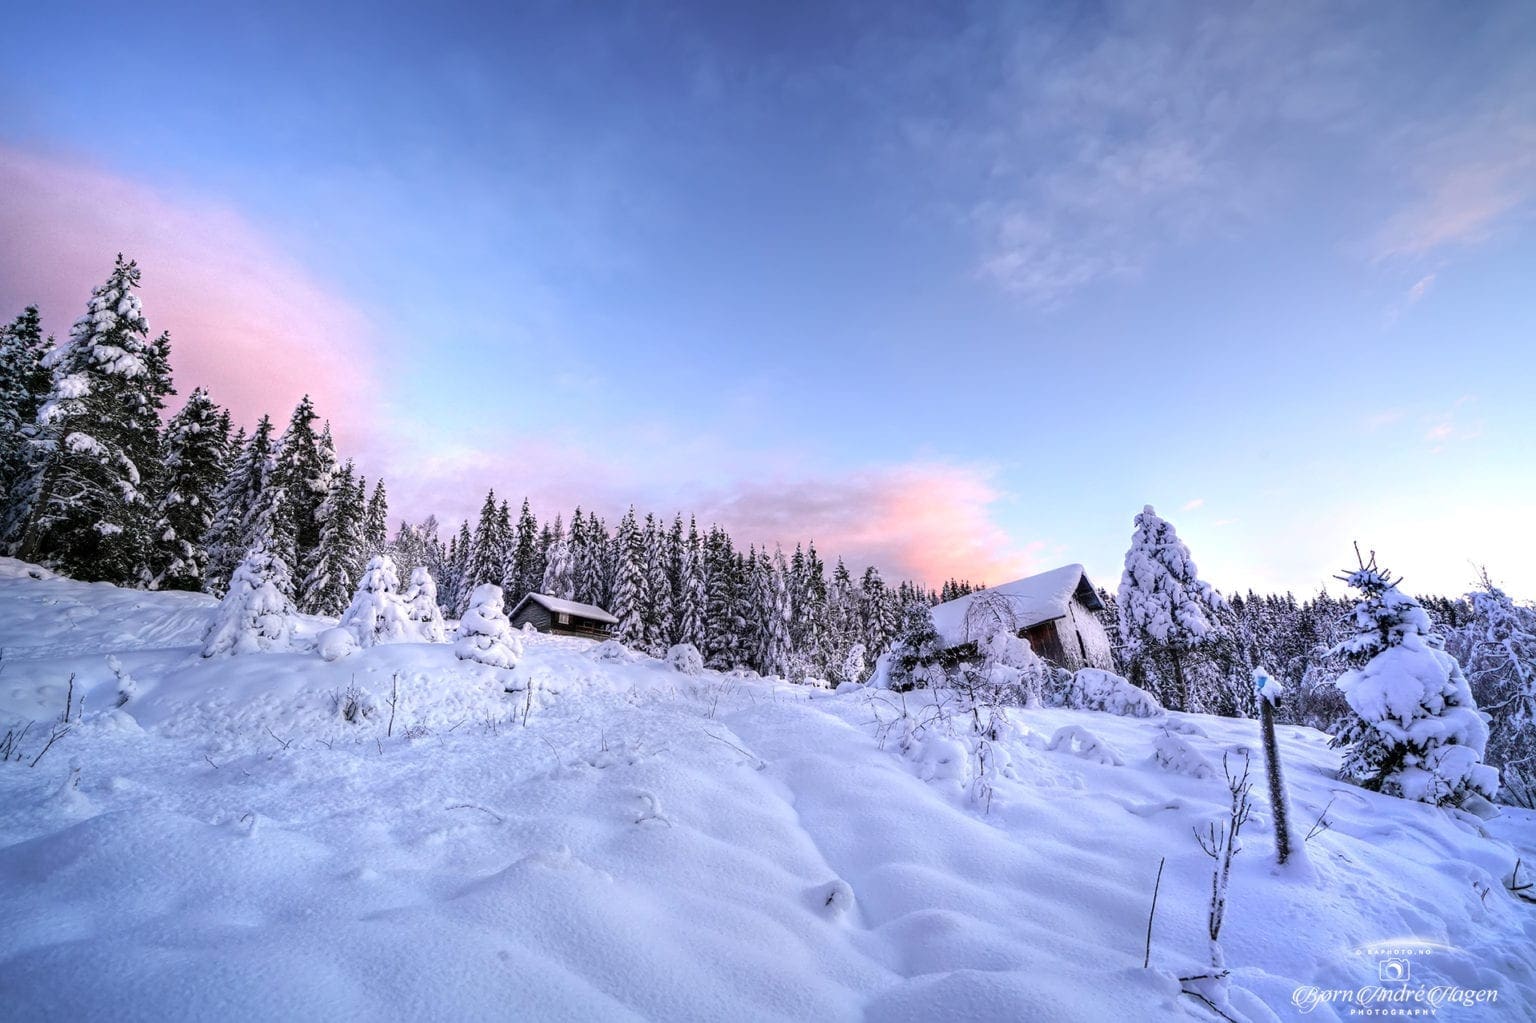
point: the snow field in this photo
(654, 845)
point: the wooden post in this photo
(1269, 697)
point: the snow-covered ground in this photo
(643, 844)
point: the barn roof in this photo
(1018, 605)
(554, 605)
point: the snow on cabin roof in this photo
(1018, 605)
(568, 607)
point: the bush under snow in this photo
(1097, 689)
(256, 614)
(485, 634)
(685, 657)
(377, 614)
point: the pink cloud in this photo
(1470, 181)
(246, 320)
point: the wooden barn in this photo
(1054, 610)
(563, 617)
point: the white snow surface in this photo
(652, 845)
(1024, 602)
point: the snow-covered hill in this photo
(649, 845)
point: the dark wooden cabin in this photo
(563, 617)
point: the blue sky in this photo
(956, 289)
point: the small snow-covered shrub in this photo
(1174, 754)
(335, 643)
(126, 686)
(256, 614)
(915, 661)
(1416, 731)
(421, 608)
(485, 634)
(612, 651)
(685, 657)
(1080, 742)
(741, 671)
(1097, 689)
(352, 704)
(377, 614)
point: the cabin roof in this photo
(1020, 604)
(554, 605)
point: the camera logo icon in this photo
(1393, 971)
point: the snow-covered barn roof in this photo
(1017, 605)
(574, 608)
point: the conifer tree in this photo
(523, 571)
(376, 522)
(302, 481)
(421, 607)
(692, 598)
(256, 615)
(1168, 615)
(89, 513)
(238, 506)
(629, 589)
(195, 450)
(24, 386)
(1501, 669)
(1415, 730)
(486, 552)
(339, 556)
(879, 612)
(377, 613)
(559, 577)
(657, 613)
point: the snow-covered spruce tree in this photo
(376, 522)
(1415, 730)
(421, 608)
(523, 571)
(656, 616)
(775, 650)
(485, 635)
(629, 594)
(1168, 615)
(193, 469)
(722, 624)
(691, 595)
(877, 609)
(338, 559)
(853, 668)
(302, 479)
(237, 508)
(1501, 669)
(487, 551)
(915, 656)
(377, 613)
(256, 614)
(24, 386)
(90, 513)
(559, 577)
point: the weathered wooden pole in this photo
(1270, 693)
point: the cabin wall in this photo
(536, 613)
(1084, 642)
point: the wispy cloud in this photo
(1453, 425)
(1470, 176)
(1103, 141)
(246, 321)
(1194, 503)
(1420, 288)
